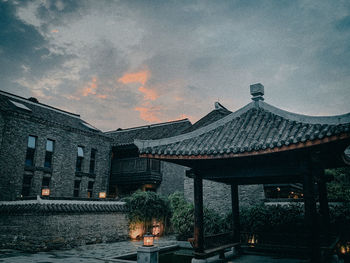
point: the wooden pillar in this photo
(235, 213)
(311, 221)
(324, 208)
(198, 214)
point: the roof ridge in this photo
(149, 126)
(197, 132)
(219, 106)
(330, 120)
(14, 96)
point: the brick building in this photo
(129, 172)
(42, 147)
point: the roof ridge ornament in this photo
(219, 106)
(257, 91)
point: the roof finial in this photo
(257, 91)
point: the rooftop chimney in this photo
(257, 91)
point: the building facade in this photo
(47, 148)
(130, 173)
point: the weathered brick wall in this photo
(44, 230)
(217, 196)
(172, 178)
(2, 125)
(13, 152)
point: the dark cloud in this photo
(72, 54)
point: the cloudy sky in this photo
(129, 63)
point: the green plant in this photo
(182, 219)
(176, 200)
(146, 206)
(339, 187)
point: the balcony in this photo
(135, 171)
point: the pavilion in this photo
(257, 144)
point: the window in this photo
(20, 105)
(90, 187)
(92, 161)
(80, 159)
(49, 153)
(76, 188)
(26, 185)
(30, 151)
(46, 182)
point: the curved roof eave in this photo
(330, 120)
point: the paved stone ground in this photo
(99, 253)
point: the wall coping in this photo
(62, 206)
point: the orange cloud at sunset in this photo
(137, 77)
(90, 87)
(148, 113)
(148, 93)
(102, 96)
(181, 117)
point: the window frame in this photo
(92, 165)
(49, 154)
(76, 189)
(30, 153)
(80, 159)
(90, 188)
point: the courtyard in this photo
(99, 253)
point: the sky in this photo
(122, 64)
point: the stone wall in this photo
(34, 226)
(217, 196)
(2, 126)
(172, 178)
(62, 174)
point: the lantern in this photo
(45, 192)
(148, 240)
(102, 194)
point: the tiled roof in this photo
(16, 104)
(61, 206)
(150, 132)
(256, 127)
(218, 113)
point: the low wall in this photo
(217, 196)
(39, 225)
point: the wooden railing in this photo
(128, 170)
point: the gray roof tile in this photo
(151, 132)
(257, 126)
(43, 112)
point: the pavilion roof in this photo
(254, 129)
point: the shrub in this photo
(176, 200)
(339, 188)
(146, 206)
(182, 219)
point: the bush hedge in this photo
(182, 219)
(146, 206)
(261, 218)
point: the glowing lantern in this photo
(45, 192)
(148, 240)
(102, 194)
(342, 250)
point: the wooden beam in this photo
(198, 214)
(254, 173)
(311, 220)
(235, 213)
